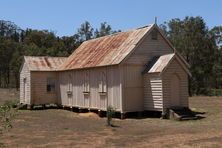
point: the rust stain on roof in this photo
(104, 51)
(44, 63)
(47, 62)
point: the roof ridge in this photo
(106, 50)
(133, 29)
(44, 57)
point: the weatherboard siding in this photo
(153, 92)
(25, 89)
(39, 88)
(149, 48)
(175, 69)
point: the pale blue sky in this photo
(65, 16)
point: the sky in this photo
(65, 16)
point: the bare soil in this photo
(62, 128)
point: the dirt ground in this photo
(62, 128)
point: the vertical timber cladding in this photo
(86, 91)
(63, 79)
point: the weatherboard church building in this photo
(132, 71)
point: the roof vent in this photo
(154, 34)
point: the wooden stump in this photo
(100, 113)
(29, 106)
(122, 116)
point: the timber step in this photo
(181, 113)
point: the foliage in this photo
(198, 44)
(215, 92)
(7, 113)
(109, 114)
(16, 42)
(201, 49)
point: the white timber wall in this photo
(73, 81)
(175, 69)
(149, 48)
(39, 94)
(133, 67)
(153, 94)
(25, 81)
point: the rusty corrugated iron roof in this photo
(43, 63)
(104, 51)
(161, 63)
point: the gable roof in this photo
(164, 61)
(107, 50)
(43, 63)
(161, 63)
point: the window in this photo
(69, 89)
(50, 85)
(86, 82)
(102, 82)
(154, 35)
(24, 80)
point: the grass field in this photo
(62, 128)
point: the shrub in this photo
(7, 113)
(216, 92)
(109, 114)
(11, 103)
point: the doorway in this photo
(175, 90)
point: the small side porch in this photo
(166, 83)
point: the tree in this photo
(85, 31)
(191, 38)
(216, 35)
(104, 29)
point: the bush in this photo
(11, 103)
(216, 92)
(109, 114)
(210, 92)
(7, 113)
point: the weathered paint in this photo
(108, 71)
(93, 99)
(135, 87)
(35, 71)
(39, 94)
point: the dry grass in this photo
(61, 128)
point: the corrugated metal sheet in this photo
(44, 63)
(103, 51)
(161, 63)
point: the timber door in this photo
(175, 90)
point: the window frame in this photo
(50, 85)
(86, 81)
(103, 82)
